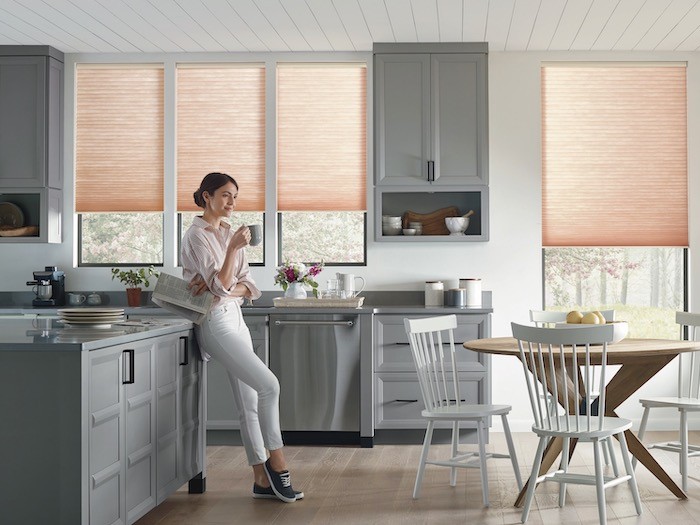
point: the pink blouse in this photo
(203, 253)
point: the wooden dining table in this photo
(640, 360)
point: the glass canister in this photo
(434, 293)
(473, 287)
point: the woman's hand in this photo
(197, 285)
(240, 239)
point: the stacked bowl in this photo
(391, 225)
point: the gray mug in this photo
(256, 234)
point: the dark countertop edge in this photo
(153, 331)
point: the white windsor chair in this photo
(433, 349)
(548, 356)
(687, 399)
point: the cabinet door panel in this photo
(190, 400)
(167, 416)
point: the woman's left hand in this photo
(197, 285)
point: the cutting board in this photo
(24, 231)
(434, 222)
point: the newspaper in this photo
(172, 294)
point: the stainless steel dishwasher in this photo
(317, 360)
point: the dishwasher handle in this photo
(315, 323)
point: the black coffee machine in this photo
(57, 279)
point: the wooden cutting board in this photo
(24, 231)
(434, 222)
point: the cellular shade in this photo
(119, 138)
(614, 155)
(321, 137)
(221, 127)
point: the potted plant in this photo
(133, 279)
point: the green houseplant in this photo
(133, 279)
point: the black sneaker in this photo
(267, 493)
(280, 483)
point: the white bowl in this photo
(620, 328)
(388, 219)
(457, 225)
(388, 229)
(409, 231)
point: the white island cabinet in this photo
(99, 426)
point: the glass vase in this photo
(295, 291)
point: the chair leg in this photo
(606, 457)
(683, 456)
(599, 481)
(481, 431)
(611, 451)
(511, 451)
(564, 466)
(642, 429)
(532, 483)
(423, 457)
(630, 471)
(455, 443)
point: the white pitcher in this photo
(346, 284)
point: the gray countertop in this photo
(51, 334)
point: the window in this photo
(614, 191)
(322, 162)
(221, 127)
(119, 164)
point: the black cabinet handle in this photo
(186, 360)
(403, 344)
(129, 355)
(431, 171)
(405, 400)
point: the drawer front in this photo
(399, 402)
(392, 352)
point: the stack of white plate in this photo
(102, 317)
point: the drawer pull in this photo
(405, 401)
(450, 401)
(403, 344)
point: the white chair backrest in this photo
(547, 355)
(433, 348)
(545, 318)
(689, 364)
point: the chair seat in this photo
(611, 426)
(690, 403)
(466, 411)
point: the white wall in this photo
(509, 264)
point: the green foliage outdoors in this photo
(122, 238)
(333, 237)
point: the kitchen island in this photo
(99, 425)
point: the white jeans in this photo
(256, 390)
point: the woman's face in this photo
(223, 202)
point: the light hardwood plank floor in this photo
(348, 485)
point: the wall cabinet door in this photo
(122, 461)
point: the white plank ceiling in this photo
(128, 26)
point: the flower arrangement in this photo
(289, 273)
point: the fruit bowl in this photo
(457, 225)
(620, 328)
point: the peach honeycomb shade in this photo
(614, 155)
(321, 137)
(119, 139)
(221, 127)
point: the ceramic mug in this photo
(76, 298)
(94, 299)
(255, 234)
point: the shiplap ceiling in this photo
(129, 26)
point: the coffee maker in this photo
(57, 279)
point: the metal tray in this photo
(312, 302)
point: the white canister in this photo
(434, 293)
(473, 287)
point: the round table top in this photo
(625, 349)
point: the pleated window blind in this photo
(614, 155)
(119, 138)
(321, 137)
(221, 127)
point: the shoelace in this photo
(286, 480)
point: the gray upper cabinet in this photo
(31, 105)
(431, 114)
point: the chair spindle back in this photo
(689, 365)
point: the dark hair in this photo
(211, 183)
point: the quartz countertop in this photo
(37, 334)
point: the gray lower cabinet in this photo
(398, 402)
(222, 413)
(122, 450)
(179, 405)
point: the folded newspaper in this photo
(172, 294)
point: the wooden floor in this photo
(347, 485)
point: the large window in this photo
(119, 164)
(614, 191)
(322, 162)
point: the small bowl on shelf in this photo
(409, 231)
(457, 225)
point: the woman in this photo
(213, 258)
